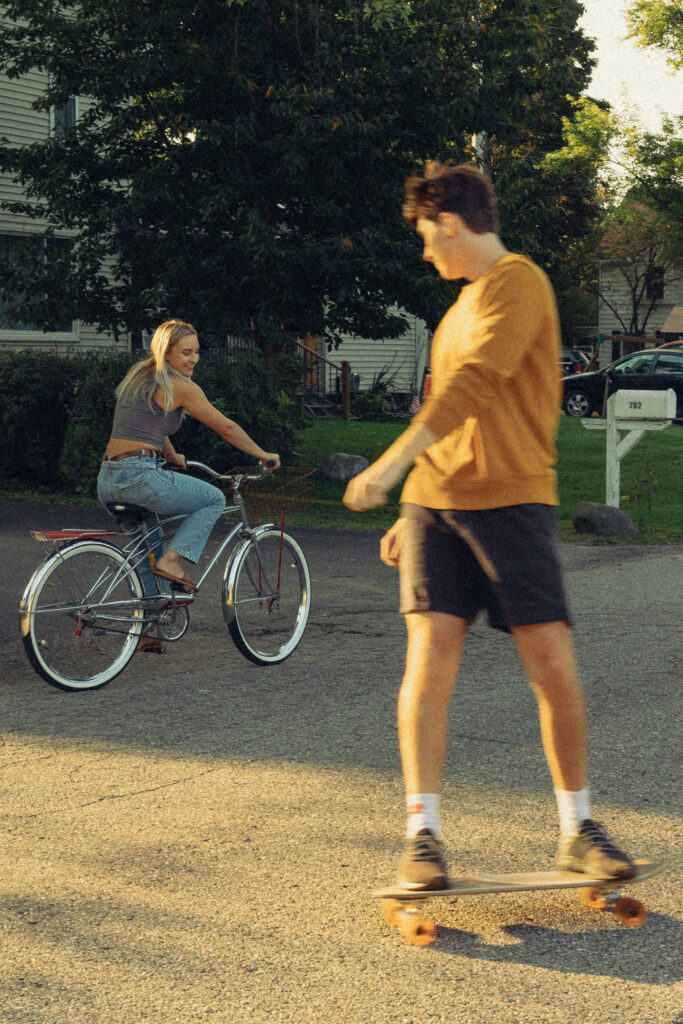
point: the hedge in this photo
(56, 412)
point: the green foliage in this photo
(36, 394)
(96, 375)
(379, 401)
(658, 23)
(372, 406)
(247, 159)
(655, 168)
(257, 395)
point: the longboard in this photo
(400, 906)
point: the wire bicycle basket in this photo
(278, 495)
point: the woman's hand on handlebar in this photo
(271, 461)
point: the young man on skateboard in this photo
(477, 529)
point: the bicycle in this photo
(84, 608)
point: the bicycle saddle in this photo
(120, 510)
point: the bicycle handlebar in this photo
(231, 474)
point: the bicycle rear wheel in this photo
(266, 596)
(81, 616)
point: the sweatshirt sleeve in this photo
(501, 327)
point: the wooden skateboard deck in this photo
(399, 906)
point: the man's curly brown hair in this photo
(445, 188)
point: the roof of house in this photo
(674, 322)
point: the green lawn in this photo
(651, 478)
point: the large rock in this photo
(603, 520)
(340, 466)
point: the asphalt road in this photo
(197, 841)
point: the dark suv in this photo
(648, 370)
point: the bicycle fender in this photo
(230, 574)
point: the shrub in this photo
(257, 395)
(36, 394)
(56, 412)
(96, 375)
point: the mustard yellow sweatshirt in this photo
(496, 394)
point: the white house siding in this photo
(22, 125)
(613, 283)
(402, 358)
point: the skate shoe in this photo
(592, 853)
(421, 866)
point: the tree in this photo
(654, 163)
(658, 23)
(578, 174)
(243, 164)
(637, 244)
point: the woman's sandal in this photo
(148, 644)
(182, 581)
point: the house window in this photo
(15, 307)
(64, 117)
(654, 283)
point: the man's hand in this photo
(390, 544)
(364, 492)
(371, 487)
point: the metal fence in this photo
(320, 376)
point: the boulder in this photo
(340, 466)
(603, 520)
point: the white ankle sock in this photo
(573, 807)
(423, 812)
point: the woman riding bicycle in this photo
(151, 401)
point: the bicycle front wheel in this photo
(266, 596)
(81, 616)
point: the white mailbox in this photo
(645, 405)
(636, 412)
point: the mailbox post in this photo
(635, 412)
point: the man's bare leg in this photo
(547, 654)
(435, 645)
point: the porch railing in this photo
(320, 375)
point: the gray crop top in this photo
(135, 421)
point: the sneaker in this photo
(421, 865)
(592, 853)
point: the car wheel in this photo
(578, 403)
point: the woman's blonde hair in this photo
(151, 373)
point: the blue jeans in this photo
(142, 481)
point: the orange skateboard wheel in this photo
(414, 928)
(630, 912)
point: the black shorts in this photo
(503, 561)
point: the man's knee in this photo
(435, 645)
(547, 653)
(436, 630)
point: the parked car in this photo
(672, 344)
(648, 370)
(572, 360)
